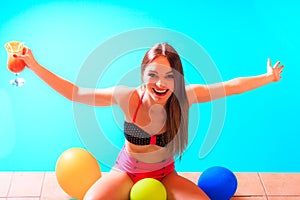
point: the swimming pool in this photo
(259, 131)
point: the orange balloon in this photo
(76, 171)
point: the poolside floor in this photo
(251, 186)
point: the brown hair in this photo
(177, 104)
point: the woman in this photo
(156, 119)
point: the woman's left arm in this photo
(203, 93)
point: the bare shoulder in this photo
(127, 98)
(123, 95)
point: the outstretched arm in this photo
(203, 93)
(96, 97)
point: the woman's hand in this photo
(27, 57)
(274, 71)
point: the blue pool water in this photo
(254, 131)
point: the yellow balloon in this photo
(76, 171)
(148, 189)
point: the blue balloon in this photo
(218, 183)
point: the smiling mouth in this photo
(160, 92)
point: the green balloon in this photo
(148, 189)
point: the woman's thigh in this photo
(179, 187)
(116, 185)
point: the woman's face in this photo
(159, 79)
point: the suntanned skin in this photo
(159, 85)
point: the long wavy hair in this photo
(177, 104)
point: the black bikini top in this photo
(136, 135)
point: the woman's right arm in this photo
(90, 96)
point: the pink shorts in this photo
(138, 170)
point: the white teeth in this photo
(160, 91)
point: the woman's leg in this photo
(179, 187)
(116, 185)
